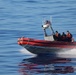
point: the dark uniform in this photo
(69, 36)
(63, 37)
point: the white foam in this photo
(69, 53)
(26, 52)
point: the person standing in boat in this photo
(48, 22)
(69, 36)
(45, 26)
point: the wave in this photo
(68, 54)
(24, 51)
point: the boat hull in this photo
(43, 50)
(45, 47)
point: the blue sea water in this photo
(24, 18)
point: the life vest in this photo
(56, 34)
(68, 35)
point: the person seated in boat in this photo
(63, 37)
(69, 36)
(57, 36)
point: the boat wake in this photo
(24, 51)
(67, 54)
(70, 53)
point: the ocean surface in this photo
(20, 18)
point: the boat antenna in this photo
(51, 25)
